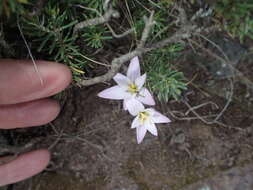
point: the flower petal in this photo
(152, 128)
(140, 133)
(122, 80)
(133, 71)
(115, 93)
(158, 117)
(135, 123)
(145, 97)
(134, 106)
(140, 81)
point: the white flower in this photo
(145, 121)
(130, 88)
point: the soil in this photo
(93, 146)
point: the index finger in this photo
(19, 81)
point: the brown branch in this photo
(119, 35)
(186, 31)
(149, 22)
(107, 24)
(117, 62)
(115, 66)
(109, 13)
(182, 15)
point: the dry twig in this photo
(107, 24)
(117, 62)
(109, 13)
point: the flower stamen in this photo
(143, 116)
(132, 88)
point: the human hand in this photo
(24, 103)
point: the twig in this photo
(107, 24)
(199, 106)
(238, 73)
(214, 121)
(182, 15)
(185, 32)
(117, 62)
(106, 4)
(115, 66)
(217, 46)
(149, 22)
(172, 113)
(227, 61)
(109, 13)
(228, 101)
(119, 35)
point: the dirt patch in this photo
(92, 144)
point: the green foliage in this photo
(5, 48)
(98, 5)
(52, 35)
(95, 35)
(163, 79)
(162, 18)
(237, 17)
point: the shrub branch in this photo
(109, 13)
(186, 30)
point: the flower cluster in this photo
(131, 90)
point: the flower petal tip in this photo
(100, 94)
(133, 71)
(166, 120)
(139, 141)
(114, 93)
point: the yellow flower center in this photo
(143, 116)
(132, 88)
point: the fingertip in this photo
(22, 81)
(66, 74)
(25, 166)
(44, 156)
(56, 75)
